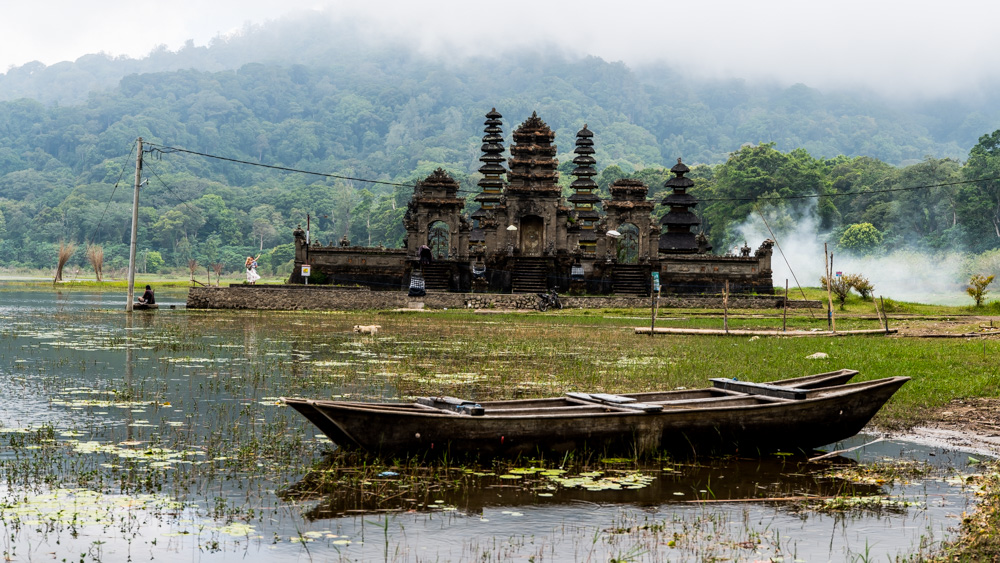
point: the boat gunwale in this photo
(815, 396)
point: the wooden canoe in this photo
(800, 413)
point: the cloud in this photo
(903, 48)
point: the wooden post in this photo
(885, 314)
(652, 309)
(829, 295)
(654, 296)
(725, 307)
(833, 318)
(784, 313)
(135, 226)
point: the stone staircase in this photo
(530, 275)
(437, 276)
(631, 279)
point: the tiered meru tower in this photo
(490, 199)
(585, 199)
(525, 237)
(677, 237)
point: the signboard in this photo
(656, 281)
(305, 270)
(839, 274)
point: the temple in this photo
(526, 237)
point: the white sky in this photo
(893, 46)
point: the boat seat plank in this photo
(453, 404)
(614, 401)
(760, 388)
(608, 397)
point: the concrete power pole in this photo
(135, 227)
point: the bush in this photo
(977, 287)
(839, 286)
(860, 284)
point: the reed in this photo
(66, 251)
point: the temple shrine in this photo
(526, 237)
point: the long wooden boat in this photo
(799, 413)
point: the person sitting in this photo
(147, 297)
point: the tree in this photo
(977, 287)
(154, 261)
(978, 205)
(861, 238)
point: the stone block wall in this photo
(300, 297)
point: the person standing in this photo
(252, 275)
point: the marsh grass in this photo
(195, 417)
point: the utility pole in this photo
(135, 227)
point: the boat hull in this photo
(712, 422)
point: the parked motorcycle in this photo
(547, 300)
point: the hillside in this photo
(297, 94)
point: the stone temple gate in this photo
(525, 236)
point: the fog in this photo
(901, 48)
(912, 275)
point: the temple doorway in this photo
(532, 235)
(439, 238)
(628, 244)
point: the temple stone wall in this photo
(298, 297)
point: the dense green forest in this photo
(876, 175)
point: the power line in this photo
(115, 189)
(169, 189)
(165, 150)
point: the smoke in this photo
(904, 275)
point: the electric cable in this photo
(110, 199)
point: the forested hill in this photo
(302, 95)
(646, 116)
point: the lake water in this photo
(160, 436)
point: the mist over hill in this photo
(651, 114)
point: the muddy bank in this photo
(966, 424)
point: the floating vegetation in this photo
(80, 507)
(869, 503)
(137, 430)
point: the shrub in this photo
(839, 286)
(977, 287)
(860, 284)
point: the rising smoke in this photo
(905, 275)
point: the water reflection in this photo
(162, 434)
(776, 479)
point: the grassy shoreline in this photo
(523, 354)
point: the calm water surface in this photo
(160, 436)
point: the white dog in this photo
(367, 329)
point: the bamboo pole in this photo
(827, 264)
(885, 314)
(784, 314)
(655, 304)
(725, 307)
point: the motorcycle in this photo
(550, 299)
